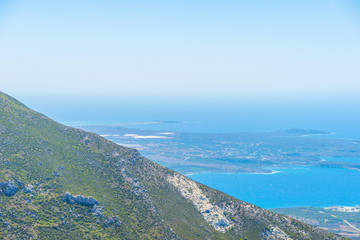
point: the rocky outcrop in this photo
(97, 210)
(213, 214)
(29, 188)
(274, 233)
(8, 188)
(80, 199)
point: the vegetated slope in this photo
(58, 182)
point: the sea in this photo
(291, 187)
(287, 187)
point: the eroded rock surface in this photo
(80, 199)
(8, 188)
(275, 233)
(213, 214)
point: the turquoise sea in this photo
(292, 187)
(342, 159)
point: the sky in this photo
(228, 48)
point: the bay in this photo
(291, 187)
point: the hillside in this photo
(344, 221)
(58, 182)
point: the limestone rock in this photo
(80, 199)
(8, 188)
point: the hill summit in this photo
(58, 182)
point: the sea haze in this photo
(215, 115)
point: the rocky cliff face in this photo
(58, 182)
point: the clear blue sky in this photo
(178, 48)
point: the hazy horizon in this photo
(164, 50)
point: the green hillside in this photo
(57, 182)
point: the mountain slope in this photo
(58, 182)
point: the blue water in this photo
(294, 187)
(342, 159)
